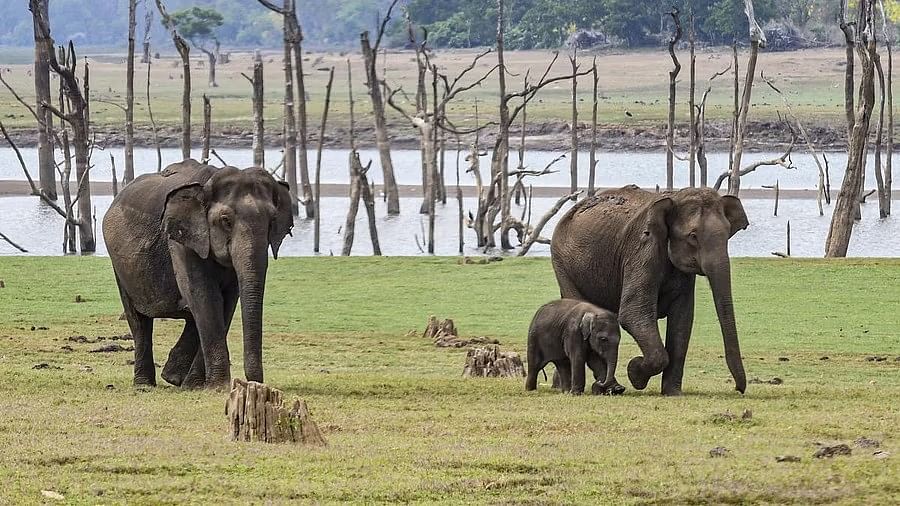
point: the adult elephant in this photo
(638, 253)
(187, 243)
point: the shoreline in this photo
(16, 188)
(544, 136)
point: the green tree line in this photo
(450, 23)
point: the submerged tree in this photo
(184, 51)
(43, 46)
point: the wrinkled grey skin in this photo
(638, 253)
(571, 333)
(187, 243)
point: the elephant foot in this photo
(615, 389)
(141, 382)
(172, 376)
(636, 376)
(672, 392)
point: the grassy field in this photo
(403, 426)
(636, 81)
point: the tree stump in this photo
(437, 329)
(256, 412)
(490, 362)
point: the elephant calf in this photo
(570, 333)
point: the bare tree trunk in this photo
(46, 162)
(500, 162)
(593, 161)
(573, 160)
(259, 130)
(148, 22)
(838, 240)
(129, 94)
(317, 188)
(115, 180)
(290, 121)
(757, 40)
(459, 199)
(879, 138)
(153, 123)
(370, 54)
(737, 106)
(211, 58)
(850, 45)
(184, 50)
(69, 234)
(207, 127)
(350, 223)
(692, 163)
(369, 200)
(670, 132)
(302, 116)
(888, 168)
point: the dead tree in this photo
(593, 160)
(373, 83)
(500, 157)
(535, 235)
(838, 240)
(673, 75)
(821, 193)
(184, 51)
(757, 41)
(692, 163)
(355, 169)
(43, 46)
(700, 128)
(317, 187)
(129, 94)
(259, 131)
(573, 161)
(207, 128)
(258, 413)
(293, 45)
(879, 138)
(148, 22)
(153, 123)
(11, 243)
(77, 118)
(886, 180)
(849, 31)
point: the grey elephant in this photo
(638, 254)
(571, 333)
(188, 243)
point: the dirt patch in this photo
(97, 339)
(787, 458)
(774, 381)
(728, 417)
(864, 442)
(46, 366)
(719, 451)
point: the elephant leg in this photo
(678, 335)
(562, 377)
(535, 365)
(598, 366)
(638, 316)
(578, 374)
(196, 374)
(182, 355)
(142, 332)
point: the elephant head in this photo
(602, 335)
(233, 219)
(698, 224)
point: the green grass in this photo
(403, 426)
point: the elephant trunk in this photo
(718, 272)
(251, 273)
(612, 359)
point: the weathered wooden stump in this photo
(445, 335)
(437, 329)
(256, 412)
(490, 362)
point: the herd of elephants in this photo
(191, 241)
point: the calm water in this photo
(39, 229)
(614, 169)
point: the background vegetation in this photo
(451, 23)
(403, 426)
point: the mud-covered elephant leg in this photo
(679, 324)
(181, 356)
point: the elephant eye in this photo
(693, 236)
(226, 221)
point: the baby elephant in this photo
(570, 333)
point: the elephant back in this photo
(146, 195)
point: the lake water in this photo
(39, 229)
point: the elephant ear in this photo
(734, 212)
(659, 217)
(185, 220)
(284, 217)
(587, 325)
